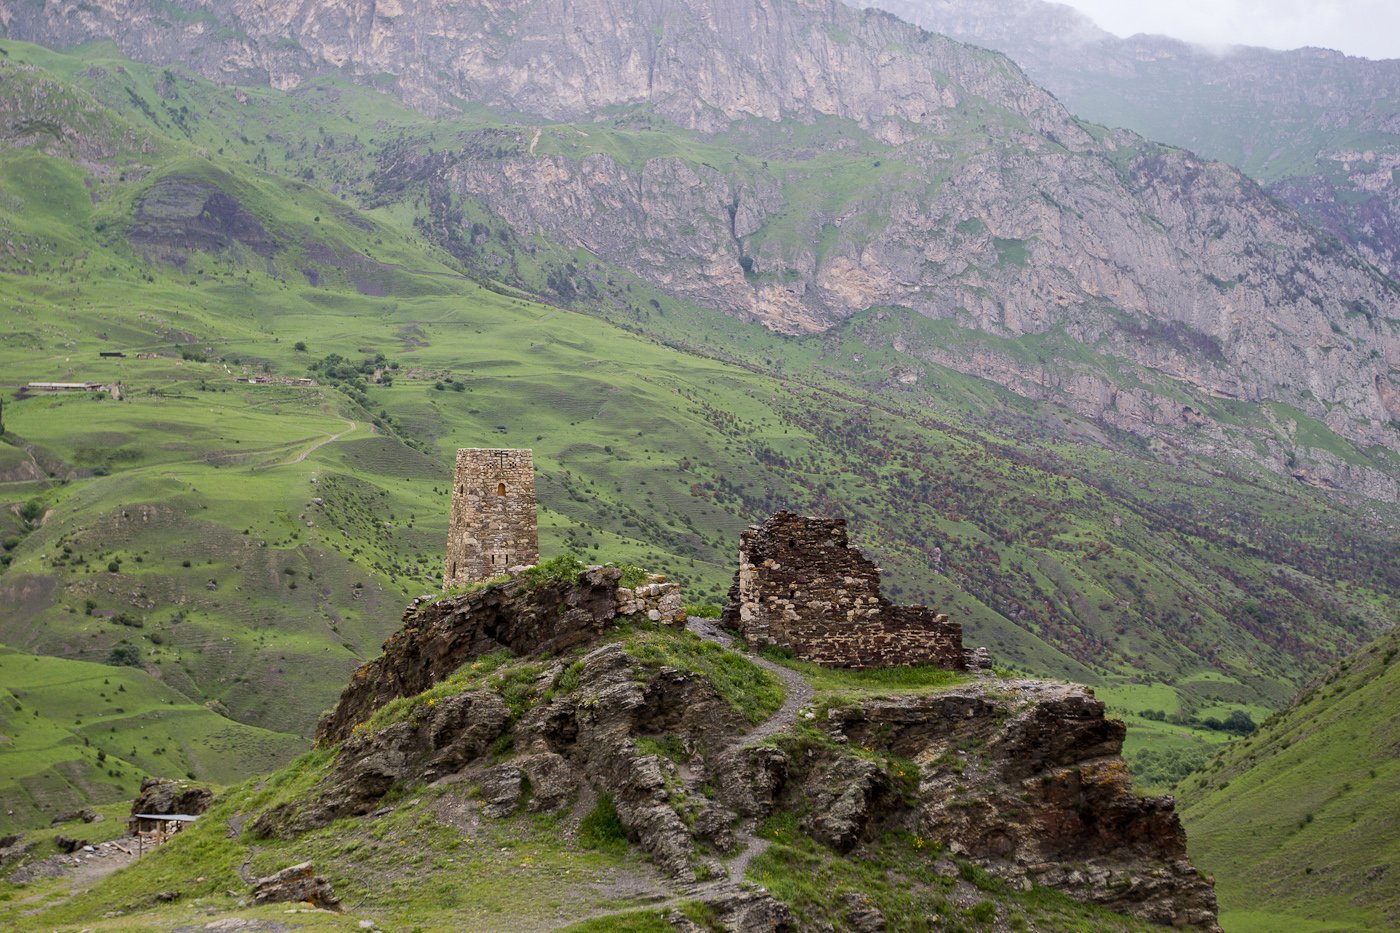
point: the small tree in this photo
(1240, 723)
(125, 655)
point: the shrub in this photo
(983, 912)
(602, 829)
(562, 569)
(124, 656)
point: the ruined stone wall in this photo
(802, 586)
(494, 526)
(656, 599)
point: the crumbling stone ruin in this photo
(801, 586)
(494, 527)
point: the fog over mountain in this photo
(1369, 28)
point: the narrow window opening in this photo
(501, 489)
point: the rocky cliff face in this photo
(439, 637)
(1020, 777)
(1290, 119)
(697, 66)
(814, 161)
(1026, 778)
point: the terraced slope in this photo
(74, 733)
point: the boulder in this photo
(164, 796)
(297, 884)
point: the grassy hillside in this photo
(77, 732)
(252, 542)
(1298, 823)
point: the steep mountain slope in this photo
(1064, 547)
(799, 163)
(1298, 823)
(1319, 129)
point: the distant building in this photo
(66, 387)
(164, 823)
(494, 526)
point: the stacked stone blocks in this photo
(802, 587)
(658, 600)
(494, 527)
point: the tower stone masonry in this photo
(804, 587)
(494, 526)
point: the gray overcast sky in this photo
(1357, 27)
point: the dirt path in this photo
(79, 871)
(329, 439)
(796, 694)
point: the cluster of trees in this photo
(350, 375)
(1165, 767)
(1237, 723)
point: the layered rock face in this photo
(856, 162)
(1026, 778)
(164, 796)
(700, 66)
(519, 615)
(439, 637)
(1290, 119)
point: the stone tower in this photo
(493, 516)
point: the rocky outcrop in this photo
(439, 739)
(1022, 777)
(439, 636)
(166, 797)
(181, 213)
(581, 739)
(297, 884)
(1026, 779)
(37, 111)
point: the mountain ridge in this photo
(958, 190)
(1319, 129)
